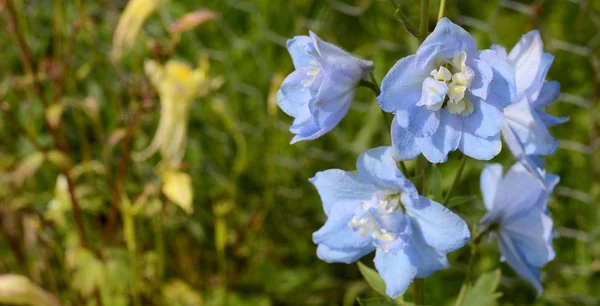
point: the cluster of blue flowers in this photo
(447, 96)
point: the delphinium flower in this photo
(319, 92)
(448, 96)
(377, 208)
(517, 215)
(525, 129)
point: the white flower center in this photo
(365, 220)
(447, 88)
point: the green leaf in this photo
(178, 292)
(89, 273)
(59, 159)
(456, 201)
(483, 292)
(377, 283)
(372, 278)
(19, 290)
(28, 167)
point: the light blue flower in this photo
(319, 92)
(517, 215)
(525, 129)
(377, 208)
(448, 96)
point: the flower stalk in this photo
(474, 250)
(442, 8)
(423, 27)
(419, 291)
(456, 179)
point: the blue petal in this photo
(337, 61)
(338, 187)
(503, 87)
(308, 131)
(378, 166)
(395, 222)
(396, 269)
(446, 39)
(293, 97)
(518, 193)
(406, 146)
(331, 103)
(500, 51)
(550, 120)
(446, 139)
(440, 228)
(336, 233)
(423, 122)
(479, 148)
(491, 176)
(532, 235)
(530, 131)
(549, 93)
(515, 259)
(482, 79)
(486, 119)
(550, 181)
(347, 256)
(296, 47)
(427, 260)
(531, 64)
(401, 87)
(518, 150)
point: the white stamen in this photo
(443, 74)
(366, 226)
(455, 83)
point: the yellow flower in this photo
(130, 23)
(177, 85)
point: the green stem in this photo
(474, 250)
(465, 285)
(372, 85)
(130, 240)
(442, 8)
(424, 182)
(400, 17)
(419, 291)
(160, 247)
(220, 211)
(423, 27)
(403, 168)
(456, 179)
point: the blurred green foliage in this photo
(248, 241)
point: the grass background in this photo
(248, 241)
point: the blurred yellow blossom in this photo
(130, 23)
(177, 85)
(177, 187)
